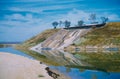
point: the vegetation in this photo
(104, 19)
(55, 24)
(109, 62)
(67, 24)
(40, 37)
(92, 18)
(107, 35)
(110, 34)
(80, 23)
(34, 41)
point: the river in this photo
(72, 66)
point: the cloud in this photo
(21, 27)
(75, 15)
(20, 20)
(114, 17)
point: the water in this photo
(14, 51)
(73, 72)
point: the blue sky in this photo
(22, 19)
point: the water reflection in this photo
(96, 49)
(80, 65)
(61, 57)
(75, 73)
(106, 62)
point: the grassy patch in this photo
(41, 76)
(40, 37)
(109, 34)
(106, 61)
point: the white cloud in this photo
(73, 16)
(21, 27)
(14, 16)
(20, 20)
(32, 25)
(114, 17)
(76, 15)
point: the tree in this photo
(92, 18)
(80, 23)
(67, 24)
(55, 24)
(104, 19)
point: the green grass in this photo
(41, 76)
(109, 34)
(109, 62)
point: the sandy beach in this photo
(18, 67)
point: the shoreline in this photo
(18, 67)
(14, 66)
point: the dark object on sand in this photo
(40, 62)
(51, 73)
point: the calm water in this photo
(14, 51)
(74, 73)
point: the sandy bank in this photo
(17, 67)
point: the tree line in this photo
(67, 23)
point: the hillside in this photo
(24, 47)
(62, 38)
(107, 35)
(40, 37)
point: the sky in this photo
(23, 19)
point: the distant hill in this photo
(107, 35)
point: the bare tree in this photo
(104, 19)
(80, 23)
(67, 24)
(93, 18)
(55, 24)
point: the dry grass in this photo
(40, 37)
(109, 34)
